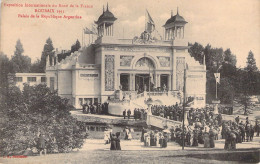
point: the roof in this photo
(176, 19)
(106, 16)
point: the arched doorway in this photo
(144, 77)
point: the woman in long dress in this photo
(118, 146)
(113, 142)
(212, 136)
(130, 135)
(206, 140)
(126, 133)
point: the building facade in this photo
(18, 79)
(98, 72)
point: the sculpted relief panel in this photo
(126, 60)
(109, 72)
(164, 61)
(138, 49)
(180, 65)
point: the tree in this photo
(38, 110)
(229, 58)
(196, 50)
(20, 63)
(36, 67)
(5, 68)
(75, 47)
(243, 92)
(47, 51)
(251, 70)
(251, 63)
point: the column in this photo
(159, 80)
(129, 82)
(133, 79)
(168, 34)
(173, 71)
(183, 32)
(118, 81)
(155, 80)
(165, 35)
(169, 82)
(112, 30)
(104, 29)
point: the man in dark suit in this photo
(128, 113)
(124, 113)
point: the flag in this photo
(217, 77)
(94, 29)
(88, 31)
(151, 78)
(150, 26)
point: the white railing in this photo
(161, 122)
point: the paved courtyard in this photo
(95, 151)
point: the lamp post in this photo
(216, 102)
(183, 105)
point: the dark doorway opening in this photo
(124, 81)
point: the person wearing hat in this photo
(113, 142)
(42, 144)
(126, 133)
(106, 136)
(117, 140)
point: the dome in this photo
(176, 18)
(106, 16)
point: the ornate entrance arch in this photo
(145, 63)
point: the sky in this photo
(233, 24)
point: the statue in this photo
(145, 88)
(164, 87)
(137, 87)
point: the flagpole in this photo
(216, 89)
(145, 24)
(184, 101)
(149, 80)
(82, 36)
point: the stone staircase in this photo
(133, 100)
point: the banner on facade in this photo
(217, 77)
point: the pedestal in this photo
(186, 110)
(149, 112)
(145, 94)
(215, 102)
(120, 95)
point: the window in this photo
(88, 101)
(18, 79)
(80, 101)
(43, 79)
(95, 100)
(52, 83)
(31, 79)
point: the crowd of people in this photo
(112, 139)
(96, 108)
(204, 127)
(173, 112)
(139, 114)
(154, 138)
